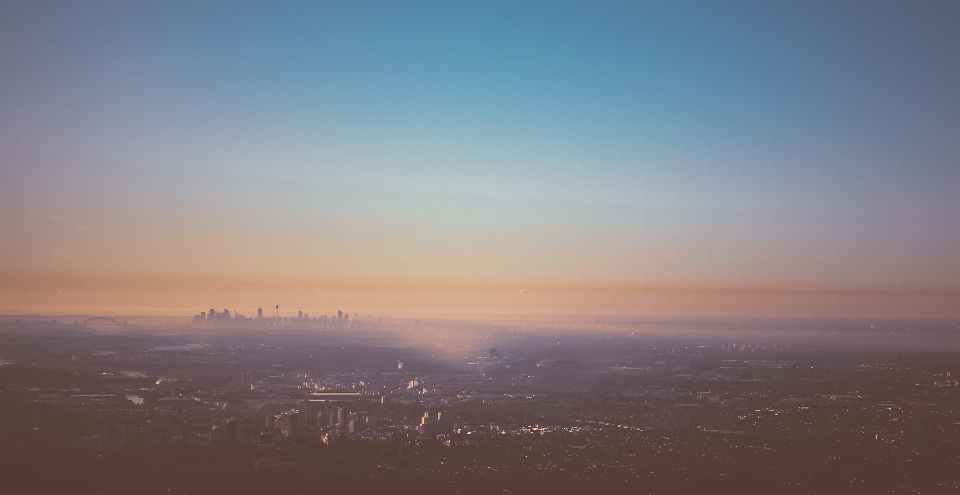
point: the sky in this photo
(643, 157)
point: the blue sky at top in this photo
(722, 144)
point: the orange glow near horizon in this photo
(169, 295)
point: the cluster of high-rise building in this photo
(214, 317)
(433, 424)
(326, 420)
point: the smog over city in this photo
(479, 247)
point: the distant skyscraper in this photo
(346, 319)
(355, 425)
(299, 315)
(321, 418)
(259, 313)
(430, 425)
(212, 314)
(339, 315)
(289, 424)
